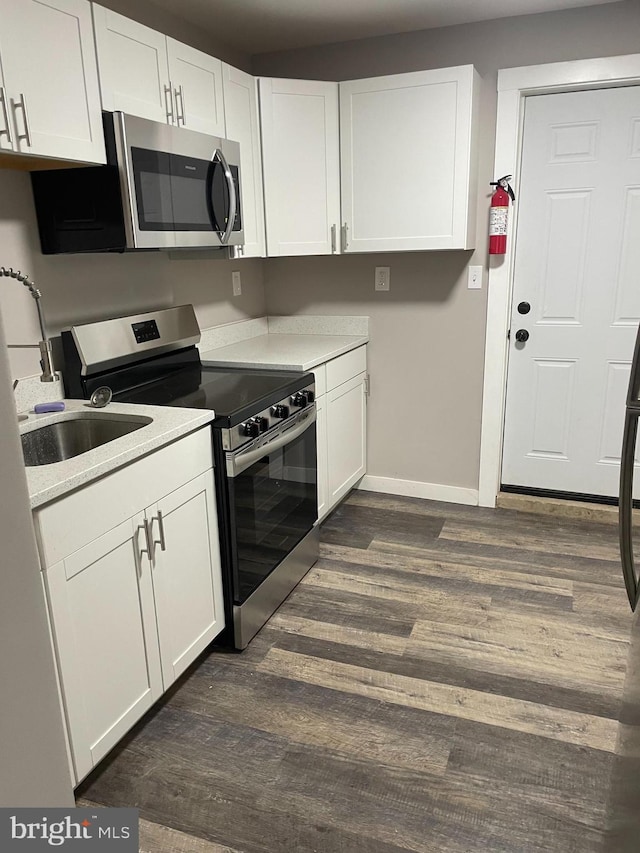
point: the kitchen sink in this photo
(75, 434)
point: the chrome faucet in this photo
(46, 357)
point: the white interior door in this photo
(576, 261)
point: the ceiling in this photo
(258, 26)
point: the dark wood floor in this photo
(447, 679)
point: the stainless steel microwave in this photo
(163, 188)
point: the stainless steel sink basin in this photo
(75, 434)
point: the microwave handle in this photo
(233, 202)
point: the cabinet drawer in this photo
(346, 366)
(68, 524)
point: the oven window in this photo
(273, 506)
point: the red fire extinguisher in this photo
(499, 215)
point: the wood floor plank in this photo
(340, 607)
(420, 597)
(308, 714)
(413, 560)
(584, 700)
(552, 564)
(569, 726)
(603, 547)
(362, 524)
(512, 644)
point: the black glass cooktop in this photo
(234, 394)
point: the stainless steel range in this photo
(264, 441)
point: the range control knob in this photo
(250, 428)
(299, 399)
(310, 396)
(263, 423)
(280, 411)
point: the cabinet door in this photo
(134, 73)
(51, 79)
(103, 618)
(346, 437)
(407, 153)
(243, 126)
(196, 79)
(186, 574)
(299, 121)
(6, 125)
(323, 471)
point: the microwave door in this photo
(145, 179)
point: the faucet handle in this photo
(46, 360)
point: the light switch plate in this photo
(237, 286)
(474, 282)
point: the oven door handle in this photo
(244, 459)
(219, 157)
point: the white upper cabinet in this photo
(196, 79)
(134, 75)
(49, 101)
(147, 74)
(300, 148)
(243, 126)
(407, 161)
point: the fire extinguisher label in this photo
(498, 221)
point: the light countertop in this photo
(47, 482)
(283, 351)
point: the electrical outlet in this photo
(474, 281)
(382, 279)
(237, 285)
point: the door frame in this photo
(514, 86)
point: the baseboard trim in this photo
(415, 489)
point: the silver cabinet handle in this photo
(181, 116)
(5, 115)
(147, 537)
(21, 104)
(161, 541)
(343, 237)
(333, 239)
(168, 104)
(626, 506)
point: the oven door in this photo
(182, 189)
(272, 495)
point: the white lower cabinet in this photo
(341, 404)
(186, 574)
(133, 607)
(346, 436)
(104, 626)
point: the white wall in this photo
(81, 288)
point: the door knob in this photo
(522, 336)
(524, 308)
